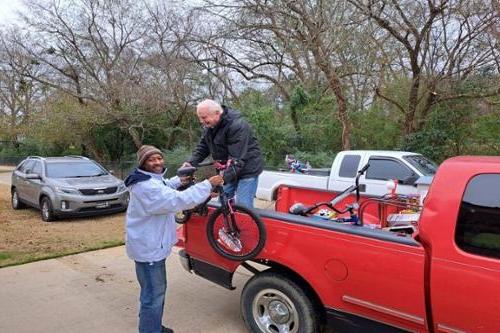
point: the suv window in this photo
(349, 166)
(22, 166)
(27, 166)
(385, 169)
(74, 169)
(478, 225)
(37, 168)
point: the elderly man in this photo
(227, 136)
(151, 229)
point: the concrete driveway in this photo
(97, 292)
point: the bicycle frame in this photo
(354, 218)
(226, 203)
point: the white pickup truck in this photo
(406, 167)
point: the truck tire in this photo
(273, 303)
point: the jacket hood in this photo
(139, 175)
(136, 177)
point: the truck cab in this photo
(405, 167)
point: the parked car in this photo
(67, 186)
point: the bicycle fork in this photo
(229, 233)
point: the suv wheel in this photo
(16, 203)
(46, 210)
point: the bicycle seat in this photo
(297, 209)
(186, 171)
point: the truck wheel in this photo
(274, 303)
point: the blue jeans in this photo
(152, 278)
(244, 189)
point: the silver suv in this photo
(67, 186)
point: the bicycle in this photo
(233, 231)
(300, 209)
(356, 209)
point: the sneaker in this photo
(166, 330)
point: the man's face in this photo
(154, 164)
(208, 118)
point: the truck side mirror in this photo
(410, 180)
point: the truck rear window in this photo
(478, 225)
(349, 166)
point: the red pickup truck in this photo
(312, 273)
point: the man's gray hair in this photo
(211, 105)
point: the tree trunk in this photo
(409, 123)
(136, 137)
(336, 87)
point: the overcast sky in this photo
(7, 9)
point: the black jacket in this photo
(232, 138)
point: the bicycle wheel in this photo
(245, 243)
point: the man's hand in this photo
(186, 180)
(216, 180)
(186, 164)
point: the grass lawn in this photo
(24, 237)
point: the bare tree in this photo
(284, 42)
(18, 92)
(88, 49)
(172, 70)
(442, 42)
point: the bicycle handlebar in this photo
(190, 170)
(343, 195)
(204, 164)
(363, 169)
(360, 172)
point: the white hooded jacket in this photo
(150, 222)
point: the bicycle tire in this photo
(252, 231)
